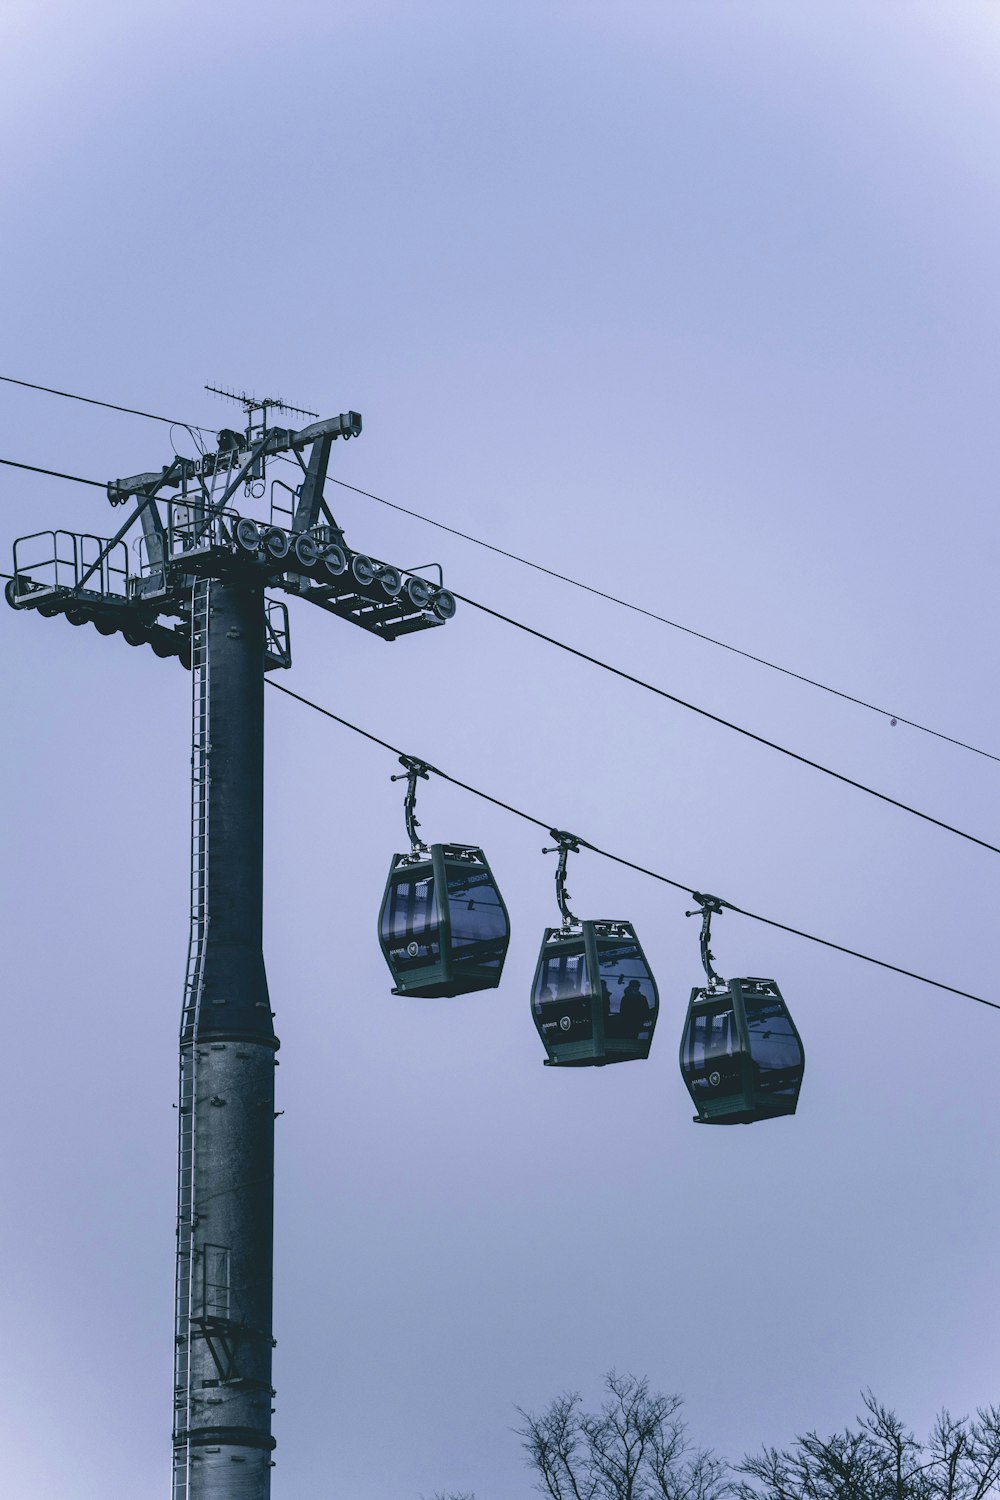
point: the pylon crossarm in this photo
(196, 535)
(347, 425)
(279, 440)
(274, 440)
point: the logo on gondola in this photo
(565, 1023)
(413, 949)
(715, 1079)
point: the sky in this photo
(696, 302)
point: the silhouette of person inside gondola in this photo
(635, 1011)
(610, 1019)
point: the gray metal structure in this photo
(205, 567)
(223, 1338)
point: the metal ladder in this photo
(185, 1280)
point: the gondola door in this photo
(410, 925)
(563, 1000)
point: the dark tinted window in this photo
(479, 928)
(627, 988)
(711, 1051)
(774, 1047)
(410, 923)
(562, 996)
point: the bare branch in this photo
(633, 1448)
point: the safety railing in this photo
(277, 639)
(61, 560)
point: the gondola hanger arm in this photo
(414, 770)
(709, 906)
(565, 843)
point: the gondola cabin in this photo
(594, 998)
(443, 927)
(741, 1056)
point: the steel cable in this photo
(726, 723)
(650, 687)
(111, 405)
(527, 562)
(54, 473)
(893, 716)
(577, 583)
(631, 864)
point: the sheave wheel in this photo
(363, 569)
(334, 561)
(419, 591)
(247, 535)
(276, 542)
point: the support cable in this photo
(111, 405)
(527, 562)
(726, 723)
(651, 688)
(660, 692)
(34, 469)
(577, 583)
(619, 859)
(629, 864)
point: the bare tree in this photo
(882, 1460)
(633, 1448)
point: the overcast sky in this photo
(696, 301)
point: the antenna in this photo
(263, 404)
(255, 410)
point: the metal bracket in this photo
(709, 906)
(307, 509)
(214, 1331)
(565, 844)
(428, 568)
(415, 770)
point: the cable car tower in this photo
(200, 593)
